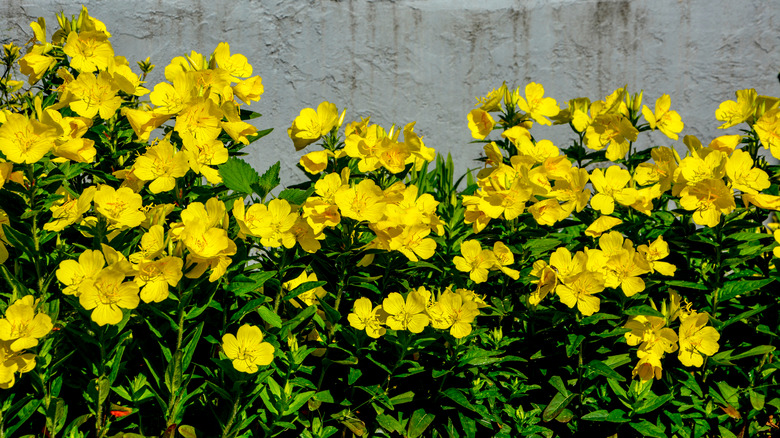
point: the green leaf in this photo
(354, 374)
(558, 384)
(268, 181)
(738, 287)
(238, 175)
(756, 399)
(644, 310)
(755, 351)
(406, 397)
(243, 284)
(299, 400)
(600, 367)
(296, 196)
(647, 428)
(686, 284)
(600, 415)
(389, 424)
(418, 423)
(270, 317)
(556, 406)
(652, 403)
(574, 343)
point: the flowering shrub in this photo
(153, 285)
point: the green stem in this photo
(226, 432)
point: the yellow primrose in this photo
(173, 98)
(602, 224)
(452, 311)
(611, 187)
(121, 207)
(22, 325)
(311, 125)
(36, 63)
(309, 297)
(653, 253)
(696, 340)
(480, 123)
(710, 198)
(565, 265)
(89, 51)
(151, 246)
(547, 211)
(366, 317)
(666, 121)
(651, 334)
(476, 261)
(536, 105)
(161, 164)
(25, 141)
(546, 281)
(363, 202)
(76, 274)
(768, 129)
(414, 243)
(249, 90)
(247, 350)
(579, 290)
(504, 258)
(70, 211)
(492, 102)
(12, 362)
(107, 295)
(154, 277)
(725, 143)
(733, 113)
(202, 155)
(94, 95)
(406, 315)
(612, 131)
(237, 65)
(199, 122)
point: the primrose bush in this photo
(153, 286)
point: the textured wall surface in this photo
(426, 60)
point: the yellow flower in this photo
(656, 251)
(366, 317)
(733, 113)
(492, 102)
(309, 297)
(12, 362)
(25, 141)
(311, 125)
(89, 51)
(199, 121)
(121, 207)
(611, 187)
(161, 164)
(364, 202)
(94, 95)
(579, 290)
(696, 340)
(480, 123)
(64, 214)
(406, 315)
(154, 277)
(601, 224)
(546, 282)
(237, 65)
(247, 350)
(452, 311)
(768, 129)
(22, 325)
(107, 295)
(476, 261)
(35, 64)
(249, 90)
(612, 131)
(668, 122)
(537, 106)
(201, 155)
(710, 198)
(75, 275)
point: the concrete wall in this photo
(426, 60)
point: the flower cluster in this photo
(21, 329)
(451, 310)
(576, 278)
(693, 341)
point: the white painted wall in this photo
(406, 60)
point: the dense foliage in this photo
(154, 284)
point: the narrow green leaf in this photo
(686, 284)
(652, 403)
(647, 428)
(755, 351)
(603, 369)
